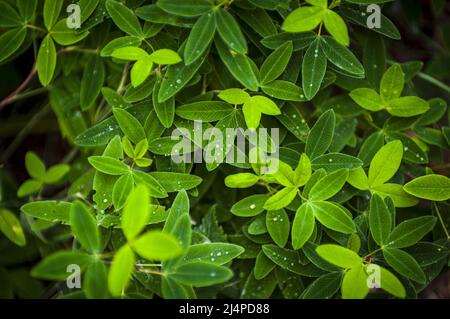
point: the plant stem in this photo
(438, 213)
(14, 95)
(373, 252)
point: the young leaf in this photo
(303, 226)
(336, 26)
(52, 9)
(84, 227)
(303, 19)
(281, 199)
(385, 163)
(339, 256)
(11, 228)
(368, 99)
(392, 83)
(156, 245)
(354, 284)
(136, 212)
(121, 270)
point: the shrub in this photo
(347, 197)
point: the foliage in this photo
(361, 181)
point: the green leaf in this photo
(56, 173)
(180, 207)
(96, 281)
(129, 125)
(410, 232)
(321, 135)
(156, 245)
(354, 284)
(302, 172)
(358, 179)
(335, 161)
(124, 18)
(303, 19)
(119, 43)
(10, 42)
(122, 188)
(275, 64)
(222, 253)
(201, 274)
(431, 187)
(46, 60)
(340, 56)
(188, 8)
(380, 220)
(164, 110)
(230, 32)
(165, 56)
(368, 99)
(136, 212)
(177, 77)
(92, 81)
(323, 287)
(11, 228)
(65, 36)
(278, 225)
(313, 69)
(141, 71)
(171, 289)
(385, 163)
(239, 65)
(397, 194)
(84, 227)
(108, 165)
(263, 266)
(242, 180)
(303, 226)
(336, 26)
(234, 96)
(391, 284)
(206, 111)
(174, 182)
(281, 199)
(199, 38)
(129, 53)
(250, 206)
(339, 256)
(121, 270)
(55, 266)
(329, 185)
(333, 217)
(392, 83)
(29, 187)
(51, 211)
(284, 90)
(9, 16)
(407, 106)
(34, 165)
(404, 264)
(52, 9)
